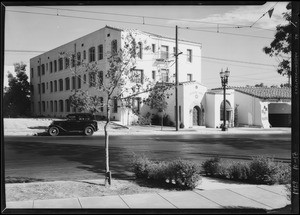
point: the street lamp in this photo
(224, 80)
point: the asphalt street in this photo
(77, 157)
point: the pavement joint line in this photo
(79, 202)
(250, 198)
(167, 200)
(208, 198)
(270, 191)
(124, 201)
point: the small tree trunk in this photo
(107, 172)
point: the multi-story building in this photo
(52, 80)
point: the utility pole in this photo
(176, 81)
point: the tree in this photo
(119, 85)
(281, 46)
(16, 100)
(157, 99)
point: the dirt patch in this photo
(73, 189)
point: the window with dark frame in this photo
(92, 54)
(189, 55)
(164, 52)
(61, 85)
(114, 47)
(67, 83)
(100, 52)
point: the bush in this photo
(186, 174)
(262, 170)
(211, 166)
(179, 173)
(156, 120)
(181, 125)
(238, 171)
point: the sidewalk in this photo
(244, 197)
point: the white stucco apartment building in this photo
(53, 82)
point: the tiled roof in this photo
(264, 92)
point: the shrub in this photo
(263, 170)
(238, 171)
(211, 166)
(181, 125)
(141, 166)
(156, 120)
(179, 173)
(186, 174)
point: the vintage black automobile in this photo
(77, 122)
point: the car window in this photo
(71, 117)
(84, 118)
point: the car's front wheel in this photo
(53, 131)
(88, 131)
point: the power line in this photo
(263, 15)
(151, 17)
(156, 25)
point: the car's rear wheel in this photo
(53, 131)
(88, 131)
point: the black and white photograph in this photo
(150, 107)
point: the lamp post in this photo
(224, 80)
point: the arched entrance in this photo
(196, 116)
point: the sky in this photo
(224, 31)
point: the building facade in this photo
(54, 78)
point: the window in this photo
(67, 62)
(100, 52)
(68, 107)
(39, 88)
(153, 48)
(101, 103)
(100, 78)
(31, 89)
(115, 109)
(84, 54)
(51, 67)
(138, 76)
(46, 66)
(43, 87)
(189, 55)
(43, 69)
(61, 105)
(114, 47)
(55, 85)
(31, 72)
(153, 75)
(67, 80)
(61, 84)
(92, 54)
(189, 77)
(55, 66)
(39, 103)
(39, 70)
(60, 64)
(73, 82)
(47, 85)
(55, 106)
(164, 75)
(164, 52)
(92, 80)
(51, 86)
(78, 58)
(136, 105)
(79, 81)
(43, 106)
(140, 50)
(51, 106)
(73, 60)
(84, 79)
